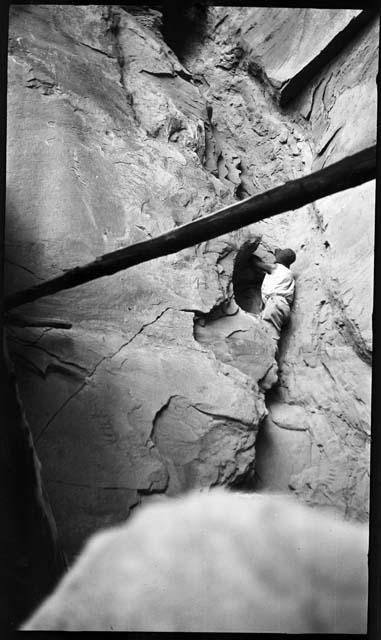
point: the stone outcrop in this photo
(286, 48)
(163, 383)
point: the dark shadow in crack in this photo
(247, 280)
(183, 25)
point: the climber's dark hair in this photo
(284, 256)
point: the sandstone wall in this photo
(114, 137)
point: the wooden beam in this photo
(347, 173)
(16, 320)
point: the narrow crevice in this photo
(221, 416)
(55, 414)
(325, 146)
(157, 415)
(20, 266)
(183, 25)
(104, 53)
(247, 280)
(298, 83)
(256, 71)
(63, 363)
(51, 368)
(113, 19)
(147, 324)
(221, 310)
(159, 74)
(288, 428)
(313, 97)
(248, 481)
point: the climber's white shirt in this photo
(280, 282)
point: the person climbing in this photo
(278, 288)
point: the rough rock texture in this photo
(325, 355)
(282, 44)
(240, 339)
(114, 137)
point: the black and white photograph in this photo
(187, 360)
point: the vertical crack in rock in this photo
(239, 337)
(112, 18)
(314, 97)
(55, 414)
(158, 414)
(321, 150)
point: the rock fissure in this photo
(112, 18)
(84, 44)
(64, 363)
(125, 344)
(59, 410)
(221, 416)
(157, 415)
(322, 149)
(52, 367)
(13, 336)
(21, 266)
(288, 427)
(313, 97)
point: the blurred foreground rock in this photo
(217, 562)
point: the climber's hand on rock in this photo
(262, 266)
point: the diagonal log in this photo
(14, 320)
(349, 172)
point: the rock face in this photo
(115, 137)
(283, 46)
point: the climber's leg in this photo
(276, 311)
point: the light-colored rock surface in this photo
(112, 139)
(280, 42)
(340, 102)
(242, 340)
(325, 351)
(217, 562)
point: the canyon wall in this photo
(121, 127)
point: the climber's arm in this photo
(262, 266)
